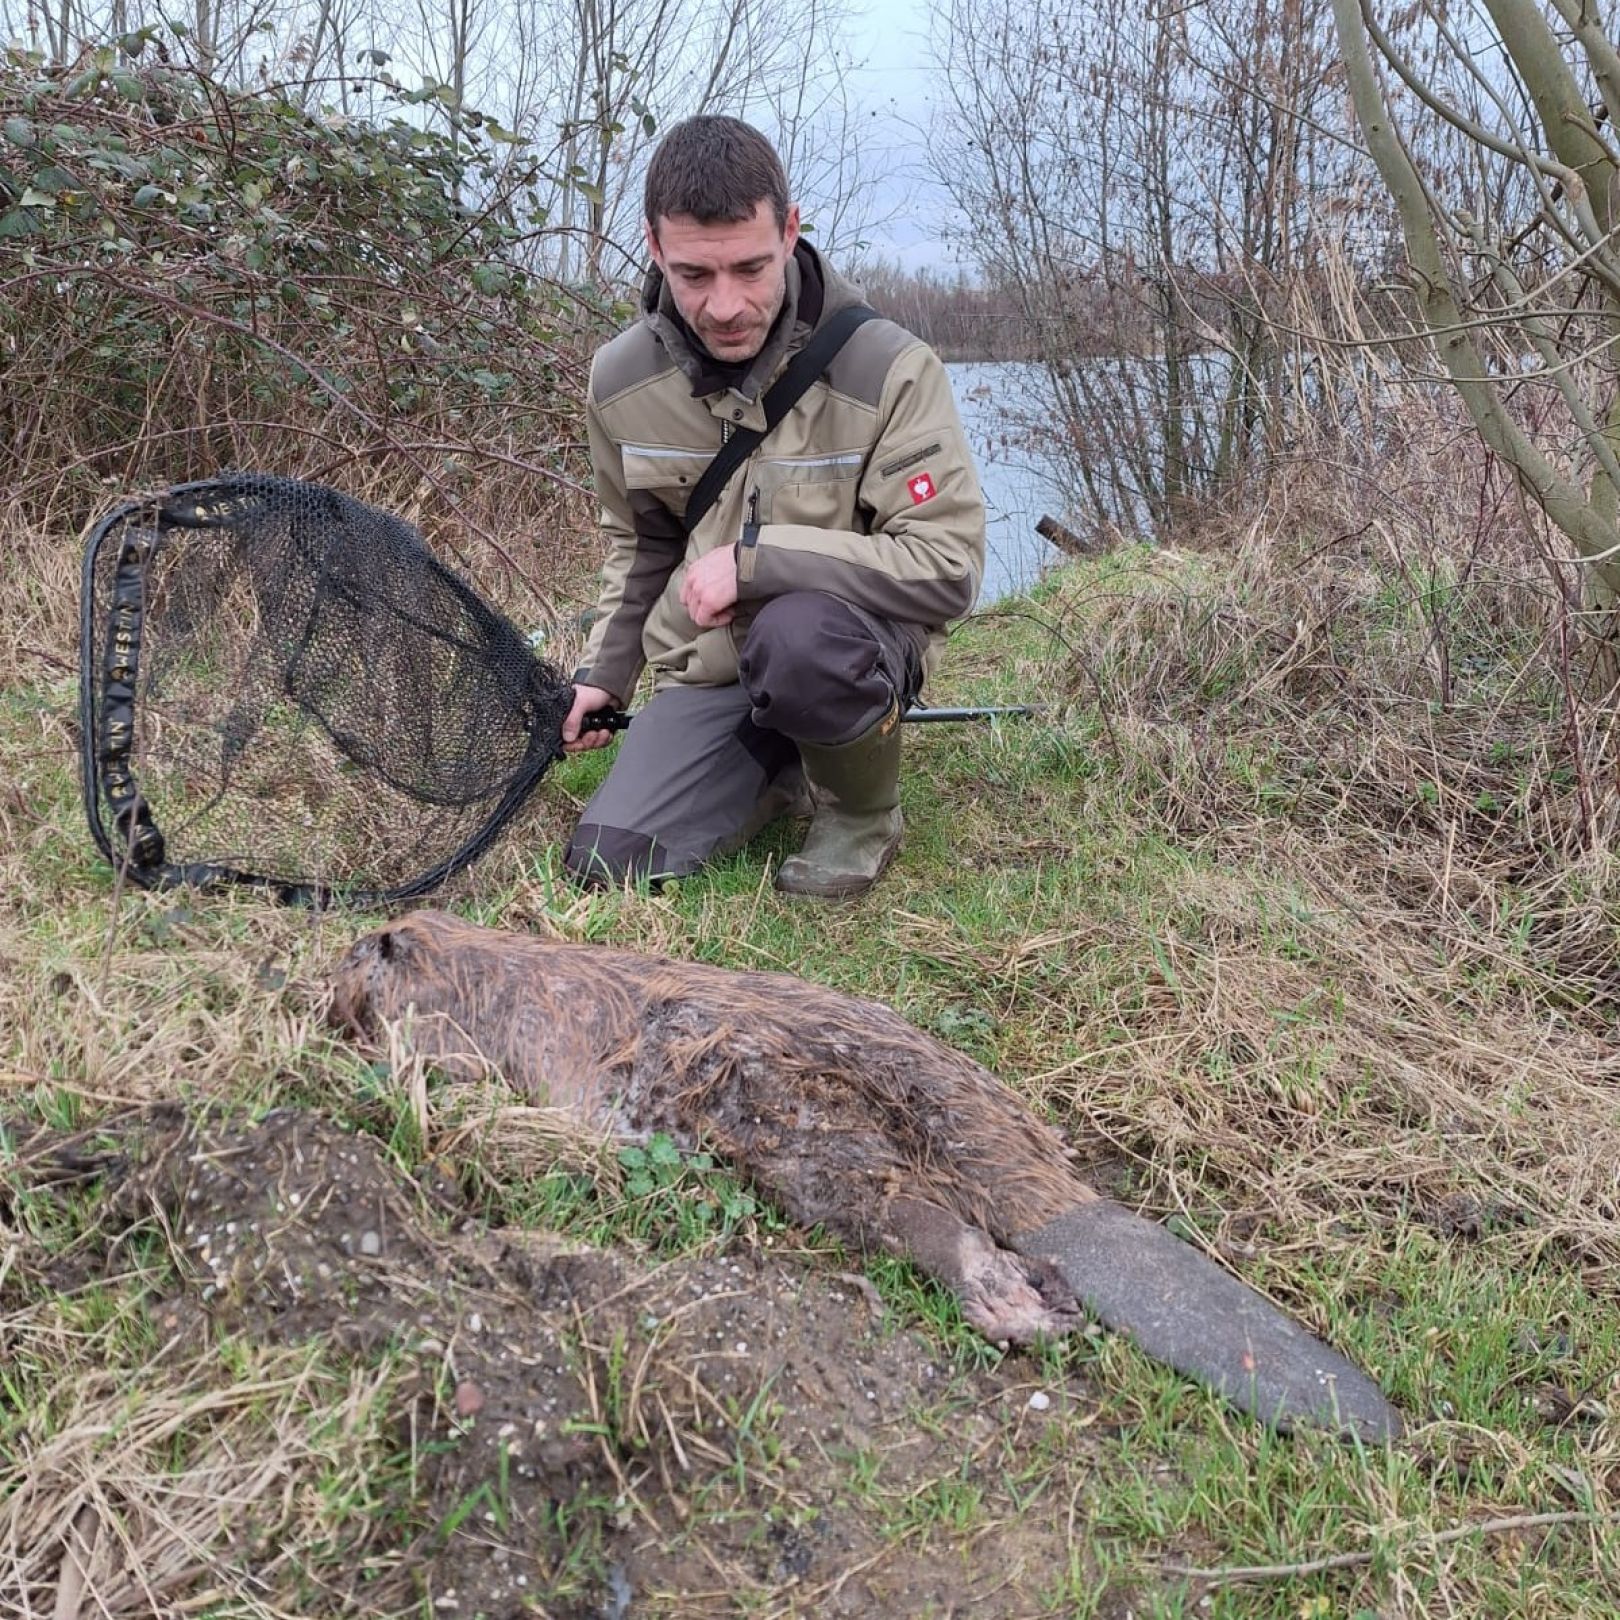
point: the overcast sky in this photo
(897, 86)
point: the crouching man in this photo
(792, 622)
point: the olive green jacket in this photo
(865, 490)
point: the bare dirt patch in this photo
(576, 1432)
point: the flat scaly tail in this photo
(1184, 1310)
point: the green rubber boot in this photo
(856, 830)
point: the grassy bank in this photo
(1306, 961)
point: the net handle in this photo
(107, 699)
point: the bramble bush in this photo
(200, 277)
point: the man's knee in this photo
(789, 633)
(814, 669)
(600, 857)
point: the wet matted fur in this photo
(846, 1115)
(836, 1108)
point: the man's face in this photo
(728, 281)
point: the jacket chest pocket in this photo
(667, 474)
(818, 491)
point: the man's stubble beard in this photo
(758, 343)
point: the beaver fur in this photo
(834, 1107)
(844, 1114)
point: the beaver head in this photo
(410, 986)
(366, 978)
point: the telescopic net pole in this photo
(619, 719)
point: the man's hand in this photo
(709, 590)
(587, 699)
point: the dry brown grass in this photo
(172, 1485)
(1387, 985)
(1303, 923)
(1395, 1097)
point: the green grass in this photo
(663, 1201)
(1202, 940)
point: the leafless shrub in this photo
(199, 279)
(1495, 155)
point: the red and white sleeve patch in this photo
(922, 488)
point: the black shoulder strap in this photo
(780, 398)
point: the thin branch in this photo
(1221, 1576)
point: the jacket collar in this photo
(748, 380)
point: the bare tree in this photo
(1163, 165)
(1516, 281)
(605, 79)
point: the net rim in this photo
(95, 701)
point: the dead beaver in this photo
(846, 1115)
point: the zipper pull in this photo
(753, 507)
(750, 533)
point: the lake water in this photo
(994, 397)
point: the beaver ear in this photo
(385, 945)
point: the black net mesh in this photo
(282, 684)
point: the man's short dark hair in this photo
(717, 170)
